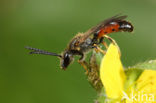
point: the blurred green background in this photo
(49, 25)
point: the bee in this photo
(82, 43)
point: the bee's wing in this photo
(103, 24)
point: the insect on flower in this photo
(82, 43)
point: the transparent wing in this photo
(103, 24)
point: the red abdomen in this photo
(115, 27)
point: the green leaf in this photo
(101, 97)
(146, 65)
(132, 75)
(99, 57)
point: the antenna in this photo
(38, 51)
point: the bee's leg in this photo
(104, 43)
(83, 63)
(98, 49)
(110, 39)
(113, 41)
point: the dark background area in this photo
(49, 25)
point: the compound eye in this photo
(66, 61)
(66, 55)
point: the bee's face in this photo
(66, 59)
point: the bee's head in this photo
(66, 59)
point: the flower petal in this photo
(112, 73)
(147, 83)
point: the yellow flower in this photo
(120, 87)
